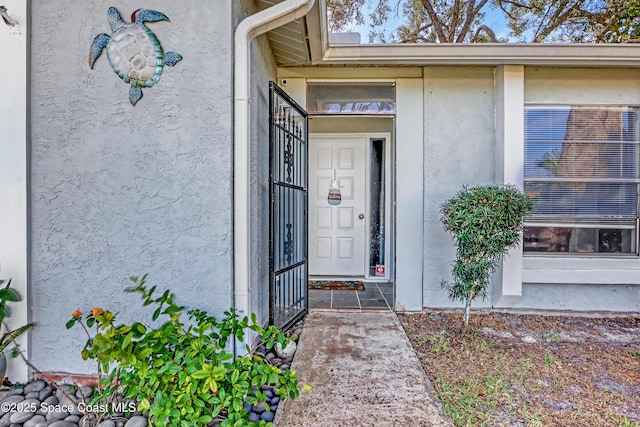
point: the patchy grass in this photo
(517, 370)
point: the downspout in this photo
(247, 30)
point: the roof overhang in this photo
(305, 42)
(490, 54)
(289, 42)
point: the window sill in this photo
(581, 270)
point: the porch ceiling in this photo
(289, 42)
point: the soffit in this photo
(288, 42)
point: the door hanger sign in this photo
(334, 198)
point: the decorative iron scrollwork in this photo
(288, 243)
(288, 158)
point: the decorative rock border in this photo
(281, 358)
(40, 404)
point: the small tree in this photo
(485, 221)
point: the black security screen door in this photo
(288, 136)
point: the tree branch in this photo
(557, 18)
(437, 24)
(488, 31)
(414, 36)
(472, 13)
(514, 3)
(455, 19)
(606, 28)
(508, 13)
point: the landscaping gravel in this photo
(40, 404)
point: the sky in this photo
(494, 19)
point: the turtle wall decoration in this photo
(133, 50)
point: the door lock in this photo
(361, 216)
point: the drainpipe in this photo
(247, 30)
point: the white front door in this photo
(337, 232)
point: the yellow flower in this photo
(96, 311)
(76, 313)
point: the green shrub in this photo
(181, 375)
(9, 294)
(485, 221)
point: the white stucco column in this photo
(509, 166)
(13, 170)
(409, 194)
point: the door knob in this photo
(361, 216)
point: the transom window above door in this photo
(582, 173)
(351, 98)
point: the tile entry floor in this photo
(376, 296)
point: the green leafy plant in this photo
(182, 374)
(9, 294)
(552, 336)
(625, 422)
(485, 221)
(438, 343)
(549, 359)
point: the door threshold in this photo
(350, 310)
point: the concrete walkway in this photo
(362, 372)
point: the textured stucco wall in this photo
(581, 85)
(459, 145)
(574, 297)
(604, 283)
(350, 124)
(459, 150)
(120, 190)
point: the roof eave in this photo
(490, 54)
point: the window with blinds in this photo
(581, 171)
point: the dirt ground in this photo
(531, 370)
